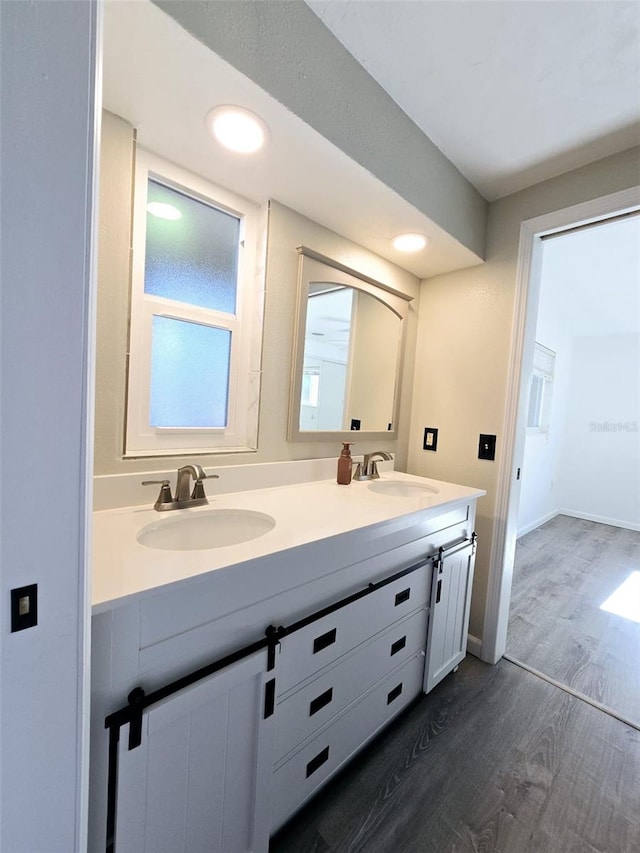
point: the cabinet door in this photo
(198, 780)
(449, 619)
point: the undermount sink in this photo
(401, 489)
(200, 531)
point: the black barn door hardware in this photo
(139, 700)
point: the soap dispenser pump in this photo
(344, 464)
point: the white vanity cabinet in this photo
(199, 779)
(449, 619)
(364, 619)
(341, 678)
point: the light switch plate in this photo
(430, 440)
(487, 447)
(24, 607)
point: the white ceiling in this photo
(589, 285)
(512, 92)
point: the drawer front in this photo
(319, 644)
(302, 712)
(297, 779)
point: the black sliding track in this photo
(139, 701)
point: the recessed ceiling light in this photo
(409, 242)
(237, 129)
(163, 210)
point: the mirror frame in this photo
(314, 267)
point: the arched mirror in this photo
(347, 355)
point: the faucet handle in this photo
(162, 483)
(165, 496)
(198, 492)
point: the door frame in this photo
(528, 275)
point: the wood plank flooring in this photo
(494, 760)
(564, 570)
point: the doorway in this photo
(505, 528)
(575, 604)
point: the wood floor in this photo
(564, 570)
(494, 760)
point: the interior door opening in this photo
(578, 527)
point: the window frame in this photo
(240, 432)
(543, 371)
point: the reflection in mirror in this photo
(351, 350)
(347, 354)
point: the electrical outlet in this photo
(430, 440)
(487, 447)
(24, 607)
(355, 423)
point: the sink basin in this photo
(401, 489)
(199, 531)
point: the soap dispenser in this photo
(344, 464)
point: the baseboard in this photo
(474, 646)
(532, 526)
(599, 519)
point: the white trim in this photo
(599, 519)
(494, 635)
(474, 646)
(312, 268)
(85, 541)
(240, 432)
(538, 522)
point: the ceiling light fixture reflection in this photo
(409, 242)
(163, 210)
(238, 129)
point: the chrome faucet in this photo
(367, 469)
(184, 496)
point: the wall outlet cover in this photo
(24, 607)
(487, 447)
(430, 440)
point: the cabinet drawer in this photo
(296, 779)
(301, 713)
(319, 644)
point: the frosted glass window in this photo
(191, 250)
(189, 374)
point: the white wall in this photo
(539, 489)
(464, 341)
(47, 54)
(589, 313)
(598, 469)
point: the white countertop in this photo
(304, 513)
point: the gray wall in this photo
(465, 330)
(284, 47)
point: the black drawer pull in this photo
(403, 596)
(393, 694)
(269, 698)
(324, 640)
(438, 591)
(320, 701)
(318, 761)
(398, 645)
